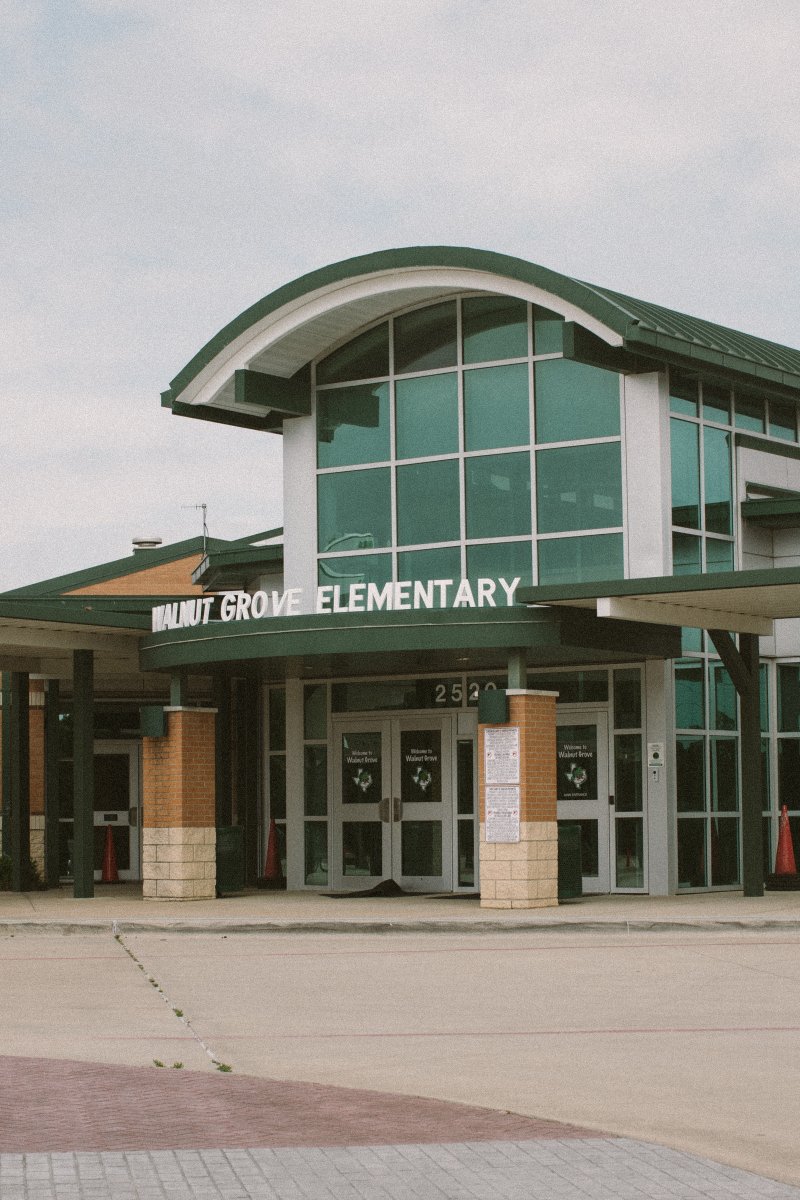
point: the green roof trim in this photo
(77, 610)
(773, 513)
(216, 567)
(647, 330)
(750, 441)
(362, 636)
(653, 585)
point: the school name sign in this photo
(403, 596)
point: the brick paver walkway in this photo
(81, 1131)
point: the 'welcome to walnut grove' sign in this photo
(403, 596)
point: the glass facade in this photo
(427, 450)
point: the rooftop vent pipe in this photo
(146, 543)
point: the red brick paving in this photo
(53, 1105)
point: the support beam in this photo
(178, 688)
(222, 757)
(518, 669)
(742, 666)
(20, 781)
(52, 800)
(83, 772)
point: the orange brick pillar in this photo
(36, 770)
(179, 835)
(522, 872)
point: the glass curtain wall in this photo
(455, 441)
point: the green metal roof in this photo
(647, 330)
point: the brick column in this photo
(524, 874)
(179, 836)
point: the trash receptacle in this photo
(230, 859)
(570, 880)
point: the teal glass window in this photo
(315, 780)
(277, 787)
(442, 563)
(364, 357)
(686, 559)
(691, 640)
(496, 407)
(683, 393)
(628, 772)
(724, 775)
(426, 416)
(354, 510)
(353, 425)
(548, 331)
(692, 853)
(574, 401)
(500, 560)
(628, 698)
(789, 700)
(690, 706)
(723, 713)
(573, 687)
(579, 487)
(690, 772)
(717, 463)
(684, 442)
(749, 412)
(277, 719)
(353, 569)
(316, 853)
(428, 503)
(315, 711)
(581, 559)
(425, 339)
(493, 328)
(782, 422)
(717, 403)
(498, 488)
(719, 555)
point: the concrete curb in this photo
(110, 925)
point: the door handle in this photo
(397, 809)
(384, 811)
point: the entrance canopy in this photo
(736, 601)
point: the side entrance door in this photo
(116, 805)
(583, 792)
(393, 803)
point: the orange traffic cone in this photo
(109, 874)
(784, 859)
(273, 871)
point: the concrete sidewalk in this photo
(120, 908)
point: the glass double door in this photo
(393, 803)
(116, 806)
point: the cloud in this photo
(165, 165)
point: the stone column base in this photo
(521, 874)
(179, 863)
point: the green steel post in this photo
(6, 755)
(20, 780)
(52, 803)
(752, 797)
(222, 749)
(83, 766)
(178, 689)
(518, 669)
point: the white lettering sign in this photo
(403, 596)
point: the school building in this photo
(539, 564)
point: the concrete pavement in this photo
(642, 1021)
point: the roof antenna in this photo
(204, 509)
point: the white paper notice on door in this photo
(502, 814)
(501, 755)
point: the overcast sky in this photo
(165, 163)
